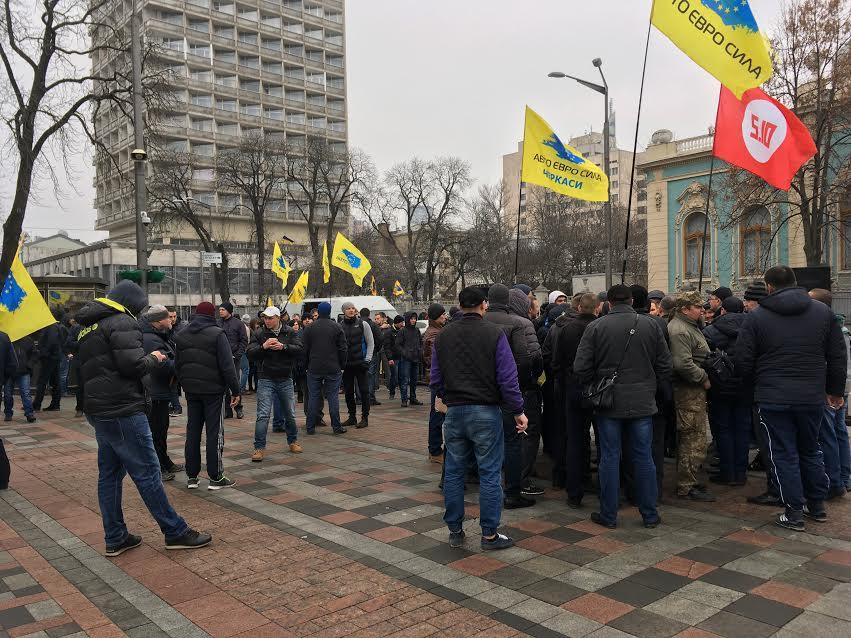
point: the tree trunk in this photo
(15, 221)
(223, 275)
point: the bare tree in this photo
(257, 171)
(812, 76)
(490, 235)
(170, 197)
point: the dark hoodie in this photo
(792, 349)
(722, 334)
(204, 362)
(112, 359)
(409, 341)
(158, 382)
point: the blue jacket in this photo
(791, 347)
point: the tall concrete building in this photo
(233, 68)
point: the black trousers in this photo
(49, 373)
(158, 420)
(351, 375)
(78, 393)
(5, 468)
(205, 411)
(229, 410)
(577, 464)
(531, 442)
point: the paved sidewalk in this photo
(347, 539)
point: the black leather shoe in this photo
(596, 518)
(517, 502)
(340, 431)
(765, 499)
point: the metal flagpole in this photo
(705, 224)
(635, 150)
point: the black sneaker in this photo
(31, 418)
(836, 492)
(7, 418)
(574, 503)
(517, 502)
(52, 408)
(374, 402)
(192, 483)
(239, 412)
(817, 515)
(654, 523)
(701, 496)
(766, 498)
(404, 403)
(364, 423)
(416, 402)
(177, 467)
(311, 432)
(456, 539)
(500, 541)
(392, 395)
(190, 540)
(598, 519)
(221, 483)
(351, 422)
(790, 523)
(531, 490)
(342, 430)
(129, 543)
(167, 476)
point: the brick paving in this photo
(347, 539)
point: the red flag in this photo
(760, 135)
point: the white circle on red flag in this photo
(764, 129)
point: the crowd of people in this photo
(616, 380)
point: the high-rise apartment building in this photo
(233, 68)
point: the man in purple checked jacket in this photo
(473, 372)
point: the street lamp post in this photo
(138, 153)
(607, 208)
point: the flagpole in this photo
(635, 147)
(705, 224)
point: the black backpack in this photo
(722, 373)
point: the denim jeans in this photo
(473, 431)
(282, 389)
(435, 429)
(372, 375)
(408, 371)
(732, 421)
(392, 375)
(125, 447)
(243, 372)
(844, 449)
(64, 367)
(609, 431)
(23, 383)
(328, 386)
(829, 441)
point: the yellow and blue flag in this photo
(23, 310)
(326, 267)
(398, 291)
(59, 297)
(280, 266)
(550, 163)
(346, 256)
(299, 289)
(722, 36)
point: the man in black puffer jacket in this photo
(206, 371)
(409, 343)
(791, 347)
(112, 365)
(49, 355)
(730, 403)
(325, 352)
(360, 349)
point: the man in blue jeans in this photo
(275, 348)
(792, 348)
(473, 373)
(112, 365)
(631, 348)
(20, 377)
(325, 350)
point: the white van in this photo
(375, 304)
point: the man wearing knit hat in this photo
(206, 370)
(557, 297)
(754, 294)
(436, 321)
(717, 297)
(237, 336)
(688, 351)
(325, 351)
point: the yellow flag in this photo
(372, 289)
(299, 289)
(326, 267)
(398, 291)
(548, 162)
(280, 266)
(347, 257)
(269, 302)
(22, 308)
(59, 296)
(721, 36)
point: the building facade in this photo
(40, 247)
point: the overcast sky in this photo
(443, 77)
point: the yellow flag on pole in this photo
(280, 266)
(550, 163)
(269, 302)
(721, 36)
(22, 308)
(299, 289)
(326, 267)
(398, 291)
(346, 256)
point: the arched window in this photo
(693, 239)
(755, 241)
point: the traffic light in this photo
(154, 276)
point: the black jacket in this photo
(791, 348)
(203, 359)
(24, 353)
(112, 359)
(409, 341)
(237, 335)
(355, 330)
(388, 341)
(50, 343)
(722, 334)
(514, 328)
(275, 364)
(647, 359)
(158, 382)
(325, 347)
(8, 360)
(377, 337)
(566, 343)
